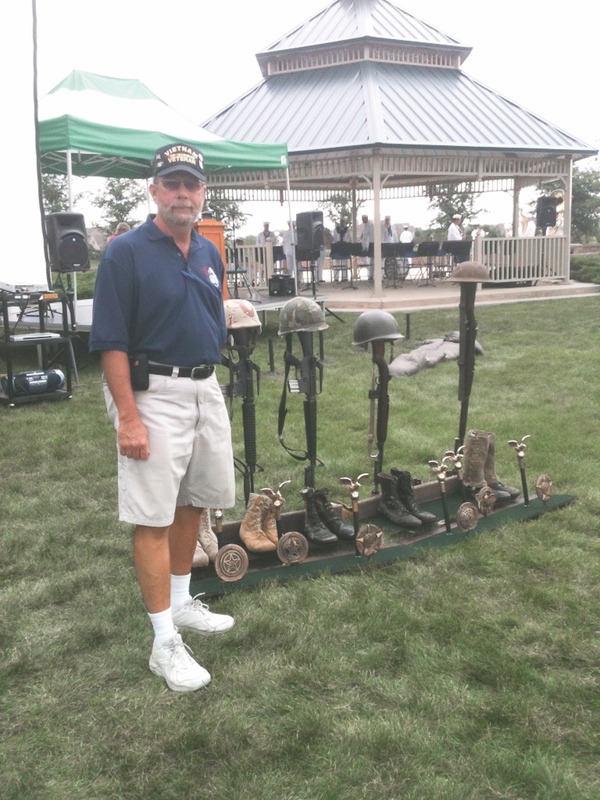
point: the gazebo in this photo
(373, 101)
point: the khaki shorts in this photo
(191, 457)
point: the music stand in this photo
(459, 249)
(343, 251)
(429, 251)
(310, 256)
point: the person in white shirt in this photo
(367, 236)
(455, 233)
(289, 249)
(389, 235)
(406, 235)
(265, 235)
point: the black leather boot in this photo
(330, 519)
(315, 529)
(390, 506)
(406, 495)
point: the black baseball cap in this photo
(179, 157)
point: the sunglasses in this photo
(172, 184)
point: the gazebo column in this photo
(516, 217)
(567, 204)
(377, 281)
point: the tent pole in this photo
(291, 226)
(70, 186)
(70, 177)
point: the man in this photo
(158, 300)
(389, 234)
(407, 235)
(265, 235)
(455, 233)
(289, 247)
(341, 233)
(367, 237)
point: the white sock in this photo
(164, 630)
(180, 591)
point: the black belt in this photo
(195, 373)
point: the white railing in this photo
(533, 258)
(254, 264)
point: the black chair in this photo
(391, 271)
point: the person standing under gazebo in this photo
(367, 236)
(455, 233)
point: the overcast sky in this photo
(200, 56)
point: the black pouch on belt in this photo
(138, 368)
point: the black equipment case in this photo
(281, 285)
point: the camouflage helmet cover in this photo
(301, 314)
(240, 314)
(373, 325)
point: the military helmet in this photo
(373, 325)
(240, 314)
(301, 314)
(469, 272)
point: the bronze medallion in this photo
(292, 548)
(467, 517)
(369, 539)
(486, 500)
(231, 563)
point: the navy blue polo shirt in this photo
(148, 299)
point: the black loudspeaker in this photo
(545, 212)
(281, 286)
(309, 230)
(67, 242)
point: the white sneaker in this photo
(196, 616)
(174, 663)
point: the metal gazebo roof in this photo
(371, 100)
(362, 76)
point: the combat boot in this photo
(269, 521)
(200, 558)
(391, 507)
(328, 516)
(206, 537)
(315, 529)
(251, 531)
(489, 471)
(406, 495)
(476, 453)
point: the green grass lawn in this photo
(467, 673)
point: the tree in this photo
(339, 205)
(55, 193)
(449, 200)
(585, 208)
(118, 202)
(228, 212)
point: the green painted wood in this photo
(396, 545)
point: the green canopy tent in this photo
(93, 125)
